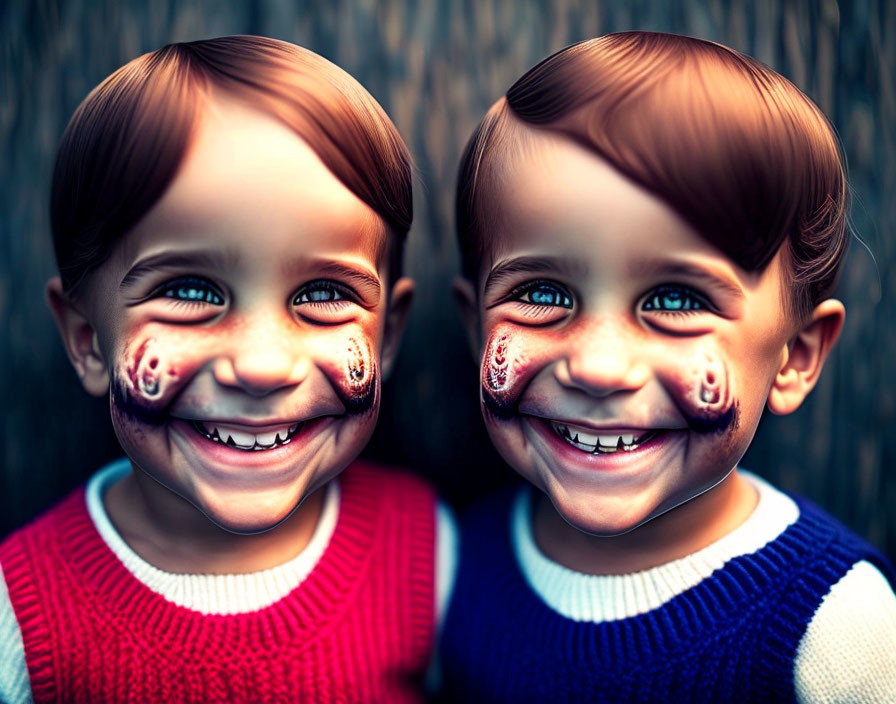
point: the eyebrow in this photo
(216, 259)
(715, 279)
(531, 265)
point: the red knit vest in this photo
(359, 628)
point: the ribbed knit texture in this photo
(359, 628)
(731, 638)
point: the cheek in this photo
(702, 389)
(148, 375)
(510, 360)
(350, 365)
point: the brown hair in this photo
(126, 140)
(736, 149)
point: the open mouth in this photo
(240, 439)
(601, 443)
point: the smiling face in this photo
(625, 362)
(242, 323)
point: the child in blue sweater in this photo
(651, 227)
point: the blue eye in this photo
(674, 299)
(544, 294)
(320, 292)
(192, 290)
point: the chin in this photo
(246, 524)
(603, 527)
(603, 517)
(245, 515)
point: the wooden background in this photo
(436, 67)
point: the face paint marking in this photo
(504, 367)
(126, 404)
(149, 384)
(359, 393)
(139, 391)
(497, 366)
(135, 363)
(146, 374)
(704, 397)
(356, 364)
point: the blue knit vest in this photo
(731, 638)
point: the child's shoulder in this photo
(818, 533)
(57, 521)
(847, 650)
(67, 532)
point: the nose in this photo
(263, 357)
(603, 358)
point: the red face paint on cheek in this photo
(353, 373)
(506, 368)
(702, 392)
(145, 381)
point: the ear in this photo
(805, 357)
(399, 306)
(79, 338)
(465, 297)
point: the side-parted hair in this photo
(733, 147)
(126, 140)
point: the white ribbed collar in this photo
(210, 593)
(596, 598)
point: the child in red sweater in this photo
(228, 217)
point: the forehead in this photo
(248, 179)
(553, 194)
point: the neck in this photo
(673, 535)
(173, 535)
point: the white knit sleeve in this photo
(15, 688)
(848, 653)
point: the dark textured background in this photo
(436, 67)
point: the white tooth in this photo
(587, 439)
(609, 440)
(575, 438)
(628, 439)
(239, 438)
(266, 438)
